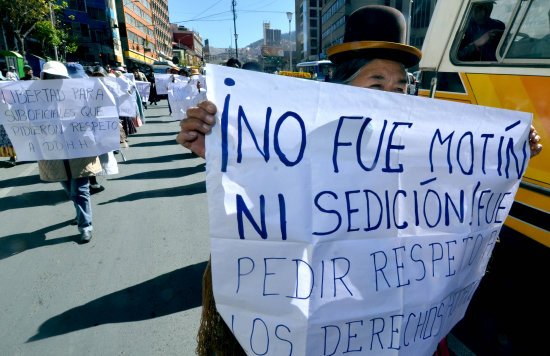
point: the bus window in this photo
(531, 35)
(317, 69)
(482, 30)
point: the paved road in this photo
(135, 289)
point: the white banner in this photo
(344, 219)
(144, 89)
(59, 119)
(181, 96)
(130, 77)
(161, 83)
(123, 92)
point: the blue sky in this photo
(213, 19)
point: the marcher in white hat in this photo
(11, 74)
(72, 173)
(54, 70)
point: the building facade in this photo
(95, 24)
(161, 23)
(190, 42)
(421, 14)
(137, 33)
(321, 24)
(308, 29)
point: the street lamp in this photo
(289, 15)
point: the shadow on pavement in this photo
(169, 293)
(192, 189)
(153, 134)
(27, 200)
(154, 143)
(159, 121)
(20, 181)
(162, 159)
(163, 174)
(6, 164)
(13, 244)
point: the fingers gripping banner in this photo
(344, 219)
(59, 119)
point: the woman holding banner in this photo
(373, 55)
(73, 173)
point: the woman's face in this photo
(382, 74)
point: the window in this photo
(482, 30)
(333, 10)
(84, 30)
(529, 36)
(78, 5)
(508, 31)
(399, 5)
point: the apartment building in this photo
(94, 23)
(137, 32)
(320, 24)
(189, 42)
(161, 23)
(308, 29)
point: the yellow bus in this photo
(303, 75)
(504, 62)
(518, 78)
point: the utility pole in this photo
(53, 25)
(233, 4)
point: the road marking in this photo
(26, 172)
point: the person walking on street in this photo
(153, 99)
(328, 77)
(28, 73)
(140, 77)
(11, 75)
(72, 173)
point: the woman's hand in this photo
(534, 140)
(199, 122)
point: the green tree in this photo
(68, 43)
(22, 16)
(47, 34)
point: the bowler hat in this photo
(195, 71)
(377, 32)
